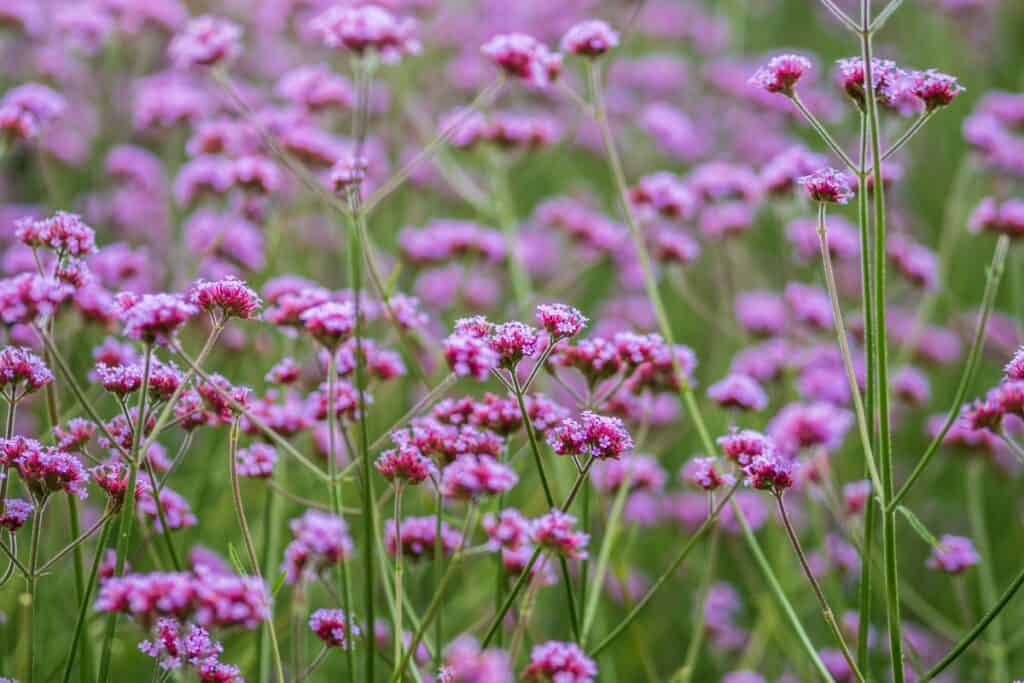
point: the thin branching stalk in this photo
(396, 634)
(86, 600)
(844, 347)
(74, 544)
(436, 567)
(986, 580)
(669, 572)
(995, 275)
(700, 615)
(165, 531)
(826, 610)
(127, 513)
(842, 16)
(823, 133)
(909, 133)
(33, 587)
(250, 546)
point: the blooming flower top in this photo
(207, 41)
(590, 38)
(365, 29)
(65, 233)
(321, 540)
(595, 435)
(405, 464)
(256, 461)
(21, 373)
(738, 391)
(554, 531)
(558, 662)
(333, 628)
(469, 356)
(472, 476)
(523, 57)
(560, 321)
(953, 555)
(770, 472)
(465, 662)
(227, 298)
(418, 537)
(154, 318)
(704, 473)
(330, 323)
(827, 185)
(886, 79)
(1006, 218)
(935, 88)
(781, 74)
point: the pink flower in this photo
(46, 470)
(367, 28)
(21, 373)
(465, 662)
(666, 194)
(15, 513)
(405, 464)
(703, 473)
(256, 461)
(738, 391)
(591, 38)
(471, 476)
(333, 628)
(560, 321)
(1006, 218)
(886, 79)
(781, 74)
(470, 356)
(643, 472)
(207, 41)
(559, 662)
(935, 88)
(827, 185)
(522, 56)
(64, 233)
(510, 529)
(769, 472)
(594, 435)
(554, 531)
(330, 323)
(513, 341)
(321, 540)
(154, 318)
(229, 298)
(953, 555)
(743, 446)
(348, 171)
(419, 534)
(28, 297)
(315, 87)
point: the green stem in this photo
(670, 571)
(826, 610)
(86, 601)
(510, 228)
(397, 634)
(995, 274)
(699, 621)
(271, 522)
(979, 529)
(604, 555)
(33, 595)
(165, 531)
(909, 133)
(823, 133)
(438, 563)
(127, 514)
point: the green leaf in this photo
(919, 526)
(277, 584)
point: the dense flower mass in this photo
(827, 185)
(560, 662)
(367, 28)
(333, 628)
(207, 41)
(523, 57)
(595, 435)
(781, 74)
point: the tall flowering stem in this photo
(669, 572)
(524, 577)
(337, 501)
(604, 555)
(650, 283)
(396, 634)
(881, 352)
(979, 529)
(33, 578)
(995, 275)
(531, 436)
(250, 546)
(127, 515)
(86, 598)
(826, 610)
(844, 347)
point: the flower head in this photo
(155, 318)
(228, 298)
(365, 29)
(595, 435)
(465, 662)
(15, 513)
(256, 461)
(21, 373)
(330, 323)
(953, 555)
(333, 627)
(770, 472)
(827, 185)
(472, 476)
(935, 88)
(555, 532)
(738, 391)
(522, 56)
(591, 38)
(405, 464)
(560, 321)
(469, 356)
(206, 41)
(704, 473)
(559, 662)
(65, 233)
(781, 73)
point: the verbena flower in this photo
(560, 320)
(523, 57)
(555, 532)
(781, 73)
(330, 323)
(466, 662)
(333, 628)
(65, 233)
(935, 88)
(953, 555)
(419, 536)
(405, 464)
(321, 541)
(206, 41)
(827, 185)
(154, 318)
(560, 662)
(257, 460)
(15, 513)
(471, 476)
(738, 391)
(595, 435)
(590, 38)
(770, 472)
(368, 28)
(21, 373)
(704, 474)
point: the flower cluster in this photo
(597, 436)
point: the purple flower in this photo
(154, 318)
(594, 435)
(590, 38)
(207, 41)
(554, 531)
(229, 298)
(510, 529)
(471, 476)
(935, 88)
(523, 57)
(321, 541)
(743, 446)
(330, 323)
(704, 474)
(348, 171)
(15, 513)
(405, 464)
(465, 662)
(738, 391)
(770, 472)
(419, 534)
(559, 662)
(806, 425)
(470, 356)
(315, 87)
(643, 473)
(953, 555)
(1006, 218)
(560, 320)
(827, 185)
(781, 74)
(886, 79)
(367, 28)
(64, 233)
(333, 628)
(256, 461)
(21, 373)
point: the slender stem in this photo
(604, 555)
(75, 543)
(250, 547)
(315, 664)
(127, 513)
(483, 99)
(823, 133)
(979, 529)
(428, 400)
(13, 556)
(272, 509)
(438, 563)
(890, 573)
(975, 632)
(842, 16)
(670, 571)
(397, 634)
(780, 595)
(510, 229)
(650, 283)
(33, 595)
(995, 274)
(699, 621)
(337, 502)
(909, 133)
(844, 347)
(86, 600)
(826, 610)
(165, 531)
(884, 15)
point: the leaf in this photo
(919, 527)
(278, 582)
